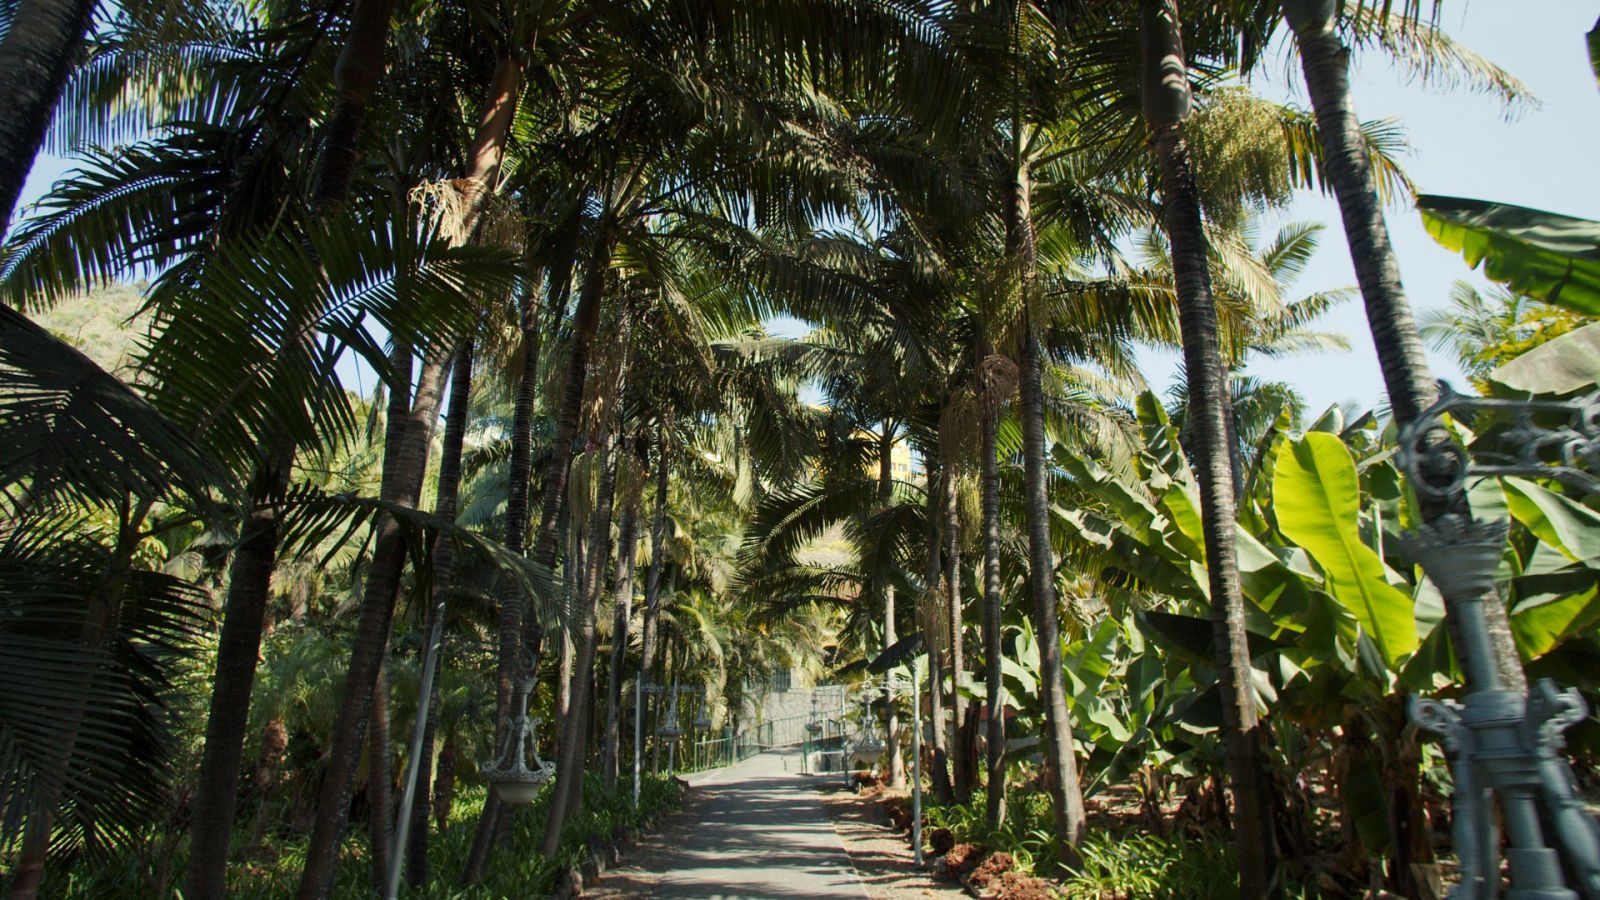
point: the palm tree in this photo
(1485, 330)
(1166, 105)
(1411, 389)
(37, 48)
(574, 735)
(407, 442)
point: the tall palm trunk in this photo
(885, 498)
(407, 435)
(993, 603)
(238, 649)
(585, 320)
(578, 581)
(519, 632)
(445, 503)
(658, 553)
(650, 629)
(37, 55)
(574, 731)
(960, 756)
(519, 474)
(1326, 63)
(897, 766)
(358, 69)
(1166, 105)
(622, 611)
(930, 614)
(356, 74)
(1066, 797)
(380, 777)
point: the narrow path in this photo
(760, 831)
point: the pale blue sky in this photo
(1548, 157)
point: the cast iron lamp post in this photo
(895, 684)
(1503, 745)
(509, 774)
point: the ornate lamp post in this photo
(813, 728)
(1503, 745)
(701, 723)
(670, 729)
(867, 743)
(895, 684)
(511, 776)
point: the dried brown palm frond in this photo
(463, 211)
(999, 377)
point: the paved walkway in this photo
(761, 832)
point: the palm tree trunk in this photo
(658, 553)
(445, 503)
(993, 605)
(961, 758)
(1066, 797)
(622, 611)
(444, 785)
(897, 766)
(238, 648)
(407, 437)
(574, 731)
(579, 583)
(585, 319)
(942, 790)
(519, 632)
(1326, 63)
(380, 779)
(37, 55)
(356, 74)
(519, 474)
(1166, 105)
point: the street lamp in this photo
(813, 728)
(866, 743)
(1503, 744)
(670, 728)
(897, 683)
(700, 725)
(513, 780)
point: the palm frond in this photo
(71, 433)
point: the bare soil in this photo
(881, 855)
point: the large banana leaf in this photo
(1316, 493)
(1561, 366)
(1567, 526)
(1552, 257)
(1553, 609)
